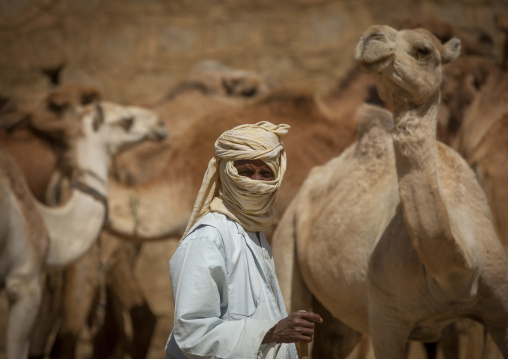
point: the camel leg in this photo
(388, 334)
(24, 301)
(49, 314)
(500, 337)
(126, 288)
(80, 289)
(332, 338)
(431, 350)
(110, 341)
(449, 343)
(388, 342)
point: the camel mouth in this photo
(375, 64)
(158, 134)
(397, 79)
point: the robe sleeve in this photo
(200, 292)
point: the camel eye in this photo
(127, 123)
(422, 52)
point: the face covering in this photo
(248, 202)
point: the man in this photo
(228, 302)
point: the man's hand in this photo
(297, 327)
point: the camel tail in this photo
(368, 116)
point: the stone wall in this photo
(135, 50)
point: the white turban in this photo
(248, 202)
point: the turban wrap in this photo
(248, 202)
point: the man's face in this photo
(254, 169)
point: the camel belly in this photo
(335, 248)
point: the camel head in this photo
(221, 79)
(117, 127)
(106, 125)
(407, 64)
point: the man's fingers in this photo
(307, 332)
(310, 316)
(304, 338)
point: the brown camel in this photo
(313, 142)
(34, 236)
(400, 218)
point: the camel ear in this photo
(90, 95)
(57, 102)
(451, 50)
(98, 118)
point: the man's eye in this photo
(267, 174)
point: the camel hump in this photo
(368, 116)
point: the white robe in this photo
(226, 294)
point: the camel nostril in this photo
(378, 36)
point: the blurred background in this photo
(135, 52)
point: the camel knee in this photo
(18, 290)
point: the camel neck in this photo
(74, 226)
(92, 163)
(415, 148)
(424, 206)
(414, 134)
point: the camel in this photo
(34, 236)
(462, 80)
(394, 236)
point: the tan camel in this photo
(462, 80)
(34, 236)
(400, 218)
